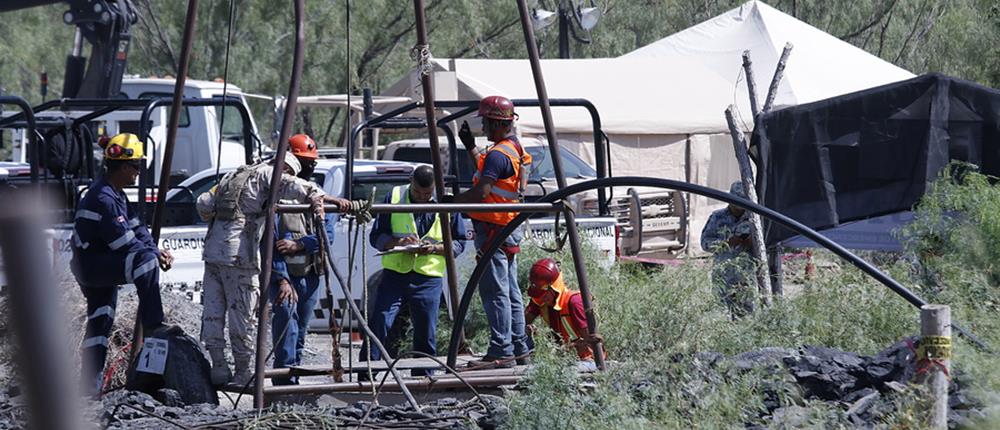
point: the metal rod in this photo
(267, 241)
(437, 207)
(36, 324)
(550, 132)
(635, 181)
(423, 383)
(190, 21)
(445, 217)
(372, 339)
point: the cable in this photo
(364, 326)
(425, 355)
(225, 88)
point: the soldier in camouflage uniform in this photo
(727, 236)
(236, 210)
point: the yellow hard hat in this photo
(125, 146)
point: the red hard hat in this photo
(496, 107)
(303, 146)
(544, 272)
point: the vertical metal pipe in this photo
(175, 116)
(366, 95)
(267, 242)
(550, 134)
(36, 324)
(445, 217)
(168, 151)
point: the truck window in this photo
(363, 190)
(573, 166)
(185, 119)
(232, 127)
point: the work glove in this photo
(465, 135)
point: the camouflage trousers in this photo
(231, 296)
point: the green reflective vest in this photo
(403, 225)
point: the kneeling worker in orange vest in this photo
(560, 307)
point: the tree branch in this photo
(875, 20)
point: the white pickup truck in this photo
(198, 148)
(650, 221)
(186, 242)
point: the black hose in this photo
(636, 181)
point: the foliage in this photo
(956, 37)
(656, 321)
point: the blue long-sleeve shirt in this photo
(279, 268)
(382, 229)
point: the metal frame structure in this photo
(101, 107)
(466, 107)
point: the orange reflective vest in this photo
(563, 324)
(506, 190)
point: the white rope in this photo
(422, 55)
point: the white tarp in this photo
(820, 65)
(662, 105)
(640, 96)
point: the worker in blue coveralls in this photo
(412, 278)
(295, 271)
(112, 247)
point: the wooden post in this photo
(779, 70)
(746, 175)
(934, 360)
(751, 84)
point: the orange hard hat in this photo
(496, 107)
(303, 146)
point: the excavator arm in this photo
(106, 25)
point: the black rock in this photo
(168, 397)
(352, 412)
(187, 372)
(853, 397)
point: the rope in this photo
(422, 55)
(335, 330)
(350, 291)
(361, 210)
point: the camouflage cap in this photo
(737, 189)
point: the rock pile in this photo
(864, 388)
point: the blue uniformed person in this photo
(727, 236)
(111, 247)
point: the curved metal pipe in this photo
(28, 115)
(636, 181)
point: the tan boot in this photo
(244, 373)
(220, 368)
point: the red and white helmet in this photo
(497, 107)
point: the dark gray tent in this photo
(872, 153)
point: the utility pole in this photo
(564, 23)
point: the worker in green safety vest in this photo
(413, 264)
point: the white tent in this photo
(820, 65)
(662, 105)
(663, 119)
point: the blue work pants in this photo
(99, 275)
(422, 295)
(501, 296)
(293, 320)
